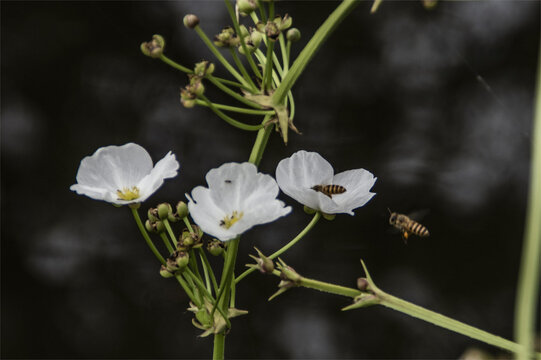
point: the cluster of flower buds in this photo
(175, 263)
(195, 88)
(226, 38)
(212, 324)
(263, 263)
(190, 240)
(290, 278)
(252, 39)
(164, 211)
(153, 48)
(273, 28)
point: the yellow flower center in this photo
(228, 221)
(128, 194)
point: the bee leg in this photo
(405, 236)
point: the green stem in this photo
(242, 41)
(229, 267)
(236, 109)
(175, 65)
(233, 94)
(228, 119)
(329, 288)
(145, 235)
(206, 263)
(528, 283)
(219, 346)
(188, 225)
(167, 243)
(334, 19)
(243, 70)
(286, 247)
(260, 143)
(219, 56)
(285, 54)
(267, 75)
(170, 231)
(187, 289)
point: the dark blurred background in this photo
(437, 104)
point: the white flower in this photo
(122, 174)
(299, 174)
(237, 198)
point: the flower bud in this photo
(203, 68)
(263, 263)
(243, 31)
(182, 210)
(182, 259)
(272, 30)
(293, 35)
(186, 239)
(246, 7)
(215, 247)
(152, 214)
(309, 210)
(153, 48)
(159, 226)
(430, 4)
(165, 273)
(164, 209)
(171, 265)
(329, 217)
(191, 21)
(283, 23)
(148, 226)
(255, 38)
(226, 38)
(362, 284)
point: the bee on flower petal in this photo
(329, 190)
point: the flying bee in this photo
(330, 190)
(407, 226)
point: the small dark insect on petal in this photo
(228, 181)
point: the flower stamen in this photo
(128, 194)
(228, 221)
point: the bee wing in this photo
(418, 215)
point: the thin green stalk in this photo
(242, 69)
(187, 289)
(267, 74)
(219, 346)
(288, 52)
(145, 235)
(528, 283)
(262, 60)
(334, 19)
(167, 243)
(170, 231)
(219, 56)
(233, 94)
(193, 265)
(188, 225)
(262, 12)
(242, 41)
(237, 109)
(286, 247)
(230, 120)
(285, 54)
(329, 288)
(229, 267)
(206, 263)
(260, 143)
(264, 140)
(233, 292)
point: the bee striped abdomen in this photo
(330, 190)
(419, 229)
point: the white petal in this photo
(358, 183)
(166, 168)
(91, 192)
(207, 215)
(264, 213)
(297, 175)
(114, 167)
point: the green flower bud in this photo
(182, 259)
(171, 265)
(226, 38)
(187, 98)
(293, 35)
(203, 68)
(430, 4)
(246, 7)
(159, 226)
(198, 88)
(283, 23)
(260, 26)
(182, 210)
(165, 273)
(215, 247)
(309, 210)
(264, 264)
(244, 31)
(255, 38)
(191, 21)
(153, 48)
(188, 104)
(329, 217)
(148, 226)
(164, 209)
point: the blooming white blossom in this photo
(123, 174)
(299, 174)
(237, 198)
